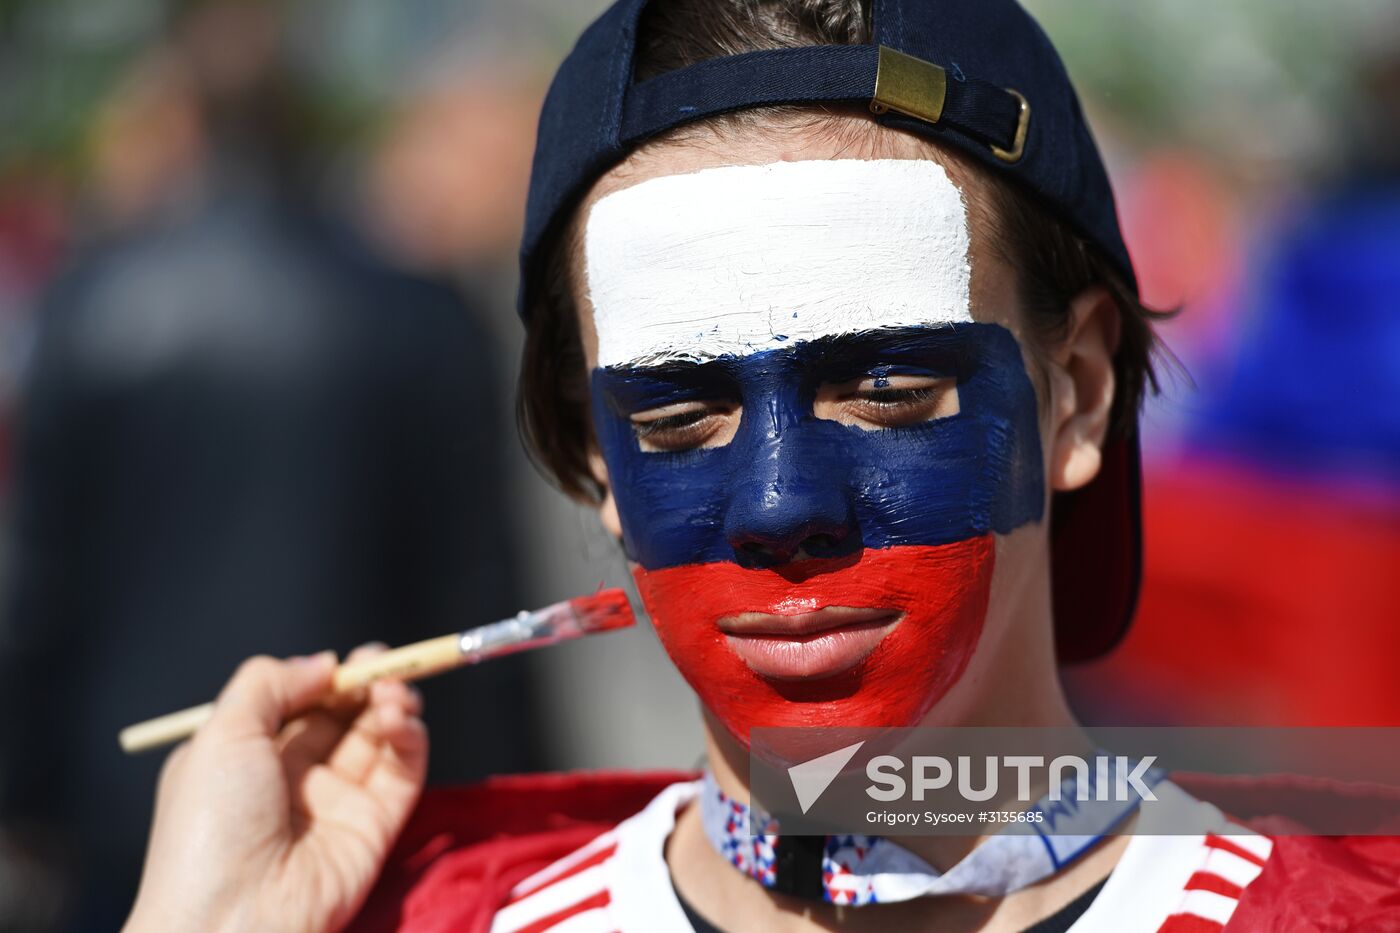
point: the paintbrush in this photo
(585, 615)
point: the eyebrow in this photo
(917, 339)
(921, 338)
(941, 349)
(639, 387)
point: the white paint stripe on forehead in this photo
(741, 259)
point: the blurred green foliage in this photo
(1247, 78)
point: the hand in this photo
(269, 822)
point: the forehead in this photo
(735, 260)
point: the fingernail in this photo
(378, 645)
(319, 659)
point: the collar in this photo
(858, 869)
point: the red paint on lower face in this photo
(887, 666)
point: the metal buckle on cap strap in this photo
(919, 89)
(1023, 122)
(909, 85)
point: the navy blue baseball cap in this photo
(978, 76)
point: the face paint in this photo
(941, 591)
(756, 286)
(737, 260)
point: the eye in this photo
(893, 401)
(684, 426)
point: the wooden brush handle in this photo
(163, 730)
(411, 662)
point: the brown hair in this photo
(1054, 264)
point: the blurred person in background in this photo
(1290, 456)
(447, 178)
(243, 431)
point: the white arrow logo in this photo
(811, 778)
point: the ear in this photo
(1082, 385)
(607, 508)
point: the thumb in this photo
(265, 692)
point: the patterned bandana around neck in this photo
(858, 869)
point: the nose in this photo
(792, 504)
(814, 538)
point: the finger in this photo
(313, 737)
(404, 751)
(309, 740)
(397, 777)
(264, 693)
(373, 810)
(350, 701)
(358, 751)
(415, 701)
(395, 693)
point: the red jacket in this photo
(465, 848)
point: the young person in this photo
(829, 313)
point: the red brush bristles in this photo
(603, 611)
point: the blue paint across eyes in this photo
(790, 480)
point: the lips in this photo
(807, 645)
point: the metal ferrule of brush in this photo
(522, 631)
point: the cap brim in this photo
(1096, 555)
